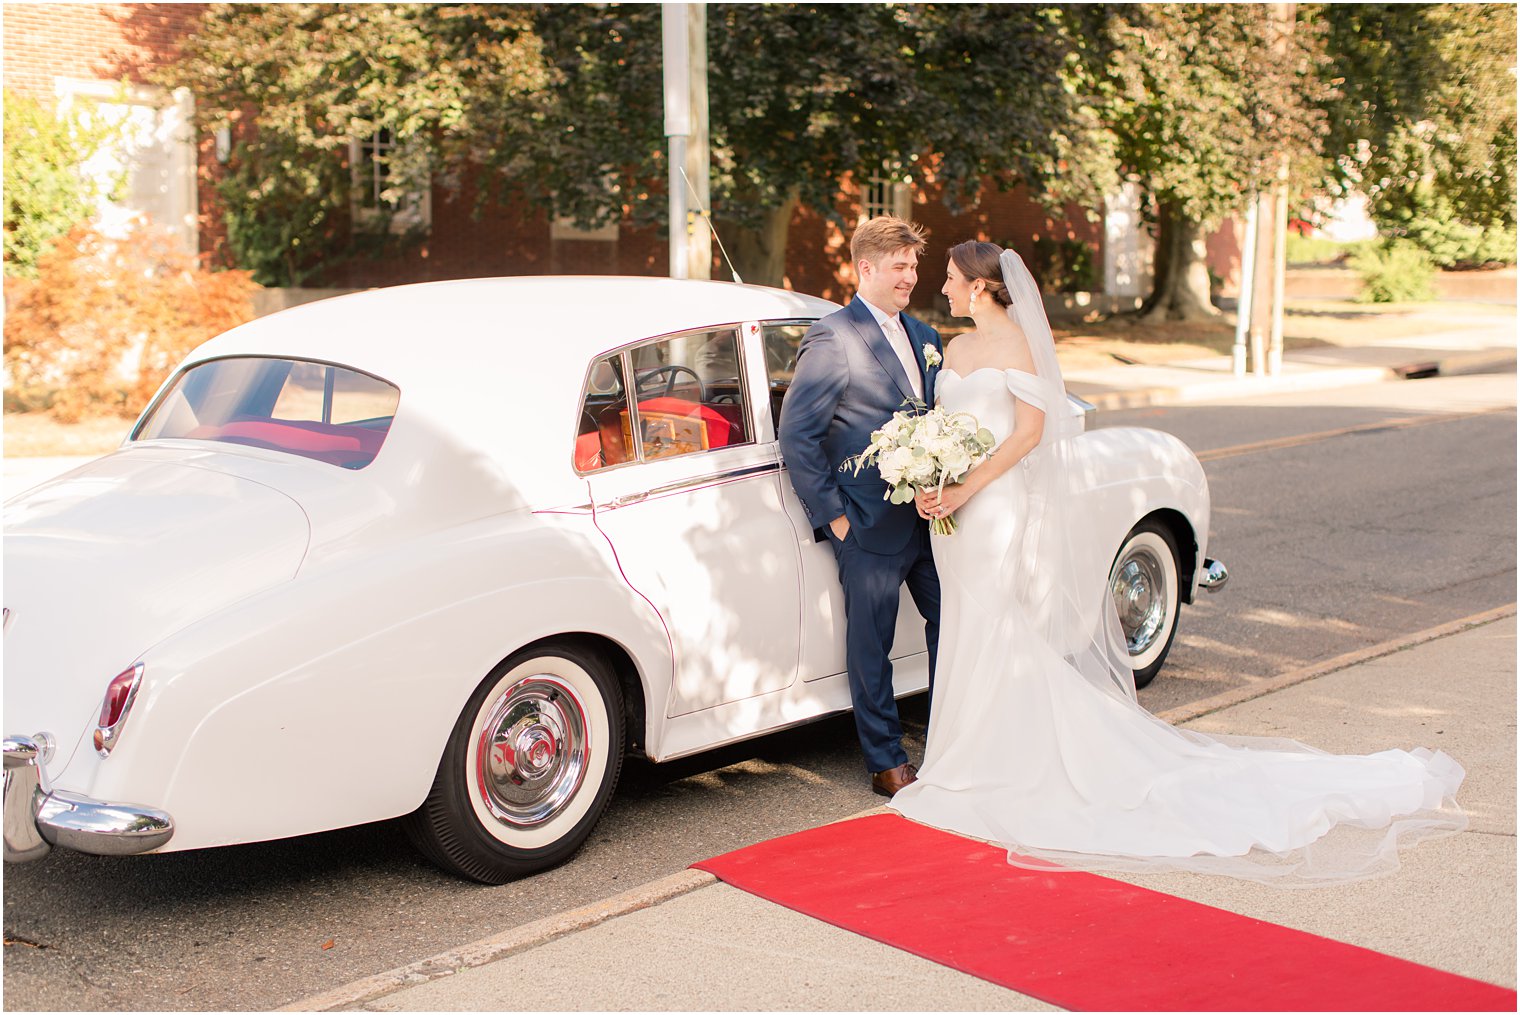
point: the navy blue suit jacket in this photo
(848, 383)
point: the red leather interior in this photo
(720, 429)
(323, 441)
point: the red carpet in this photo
(1073, 939)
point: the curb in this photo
(509, 942)
(1477, 361)
(1226, 699)
(1234, 387)
(518, 939)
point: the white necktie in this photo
(898, 340)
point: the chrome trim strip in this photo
(1086, 410)
(106, 736)
(697, 482)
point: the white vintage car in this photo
(447, 552)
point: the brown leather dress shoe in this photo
(893, 779)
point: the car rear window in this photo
(322, 411)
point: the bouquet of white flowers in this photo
(925, 449)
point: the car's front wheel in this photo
(528, 769)
(1146, 590)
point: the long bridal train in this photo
(1035, 738)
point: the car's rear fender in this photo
(291, 713)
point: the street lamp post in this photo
(685, 46)
(677, 53)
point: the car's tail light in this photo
(120, 693)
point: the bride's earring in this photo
(972, 308)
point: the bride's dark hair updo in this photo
(978, 260)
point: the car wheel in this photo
(528, 769)
(1146, 590)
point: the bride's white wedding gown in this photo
(1025, 751)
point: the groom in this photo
(854, 369)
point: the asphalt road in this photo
(1379, 511)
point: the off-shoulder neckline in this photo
(1001, 370)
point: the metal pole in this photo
(677, 56)
(680, 263)
(1261, 282)
(1279, 267)
(698, 152)
(1243, 301)
(1283, 15)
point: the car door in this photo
(823, 621)
(692, 505)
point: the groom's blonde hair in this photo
(883, 235)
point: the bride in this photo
(1036, 740)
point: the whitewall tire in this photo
(529, 768)
(1147, 592)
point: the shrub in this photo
(105, 320)
(1426, 218)
(1063, 266)
(1395, 272)
(1307, 250)
(46, 191)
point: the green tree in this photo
(47, 192)
(953, 93)
(562, 105)
(298, 82)
(1203, 100)
(1422, 120)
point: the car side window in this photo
(688, 397)
(599, 442)
(781, 342)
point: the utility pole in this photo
(1243, 300)
(1284, 16)
(1262, 260)
(685, 54)
(1272, 239)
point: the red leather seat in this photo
(719, 430)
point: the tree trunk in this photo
(1181, 290)
(759, 254)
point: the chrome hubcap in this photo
(531, 751)
(1140, 593)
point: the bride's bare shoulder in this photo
(960, 351)
(1010, 348)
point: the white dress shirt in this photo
(897, 338)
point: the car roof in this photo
(502, 324)
(498, 364)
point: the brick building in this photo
(107, 52)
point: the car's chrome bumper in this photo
(1215, 574)
(37, 818)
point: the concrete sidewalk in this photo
(692, 943)
(1487, 345)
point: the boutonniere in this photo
(931, 356)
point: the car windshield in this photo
(316, 410)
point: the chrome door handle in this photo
(629, 498)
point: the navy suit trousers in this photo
(872, 585)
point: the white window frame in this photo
(880, 195)
(413, 211)
(175, 115)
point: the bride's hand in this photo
(944, 503)
(925, 502)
